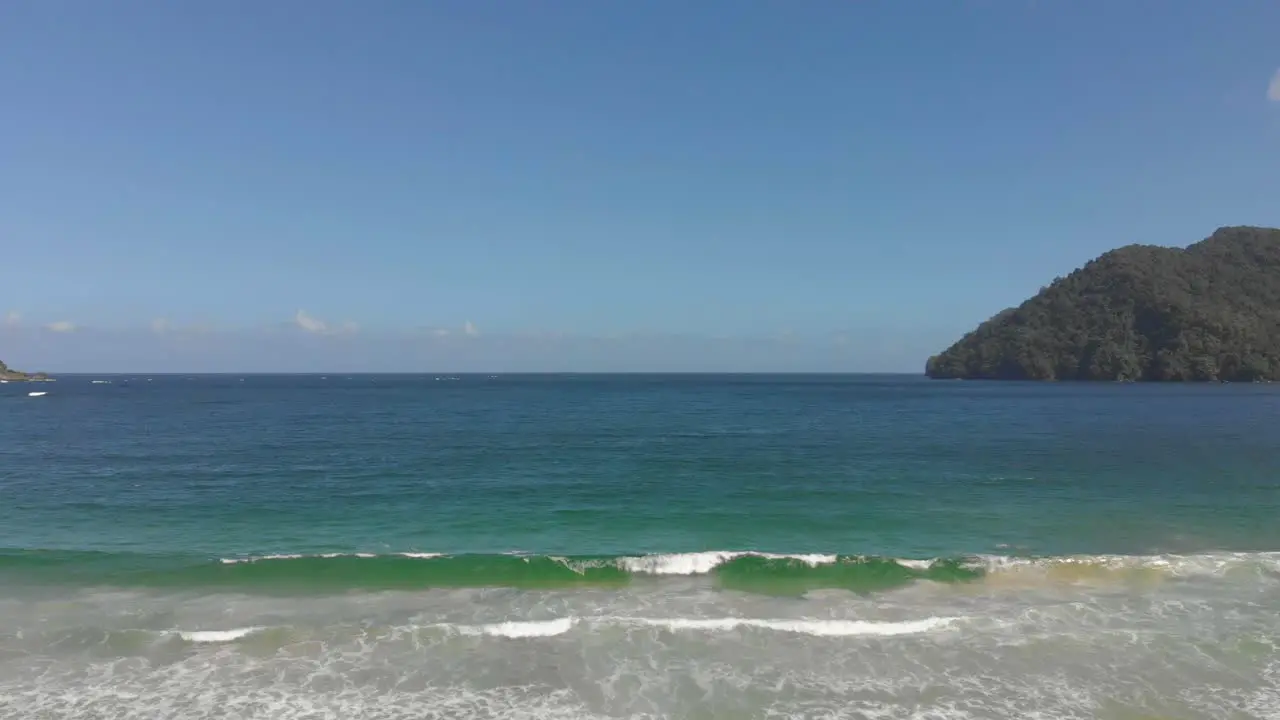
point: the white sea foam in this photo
(1212, 564)
(258, 558)
(701, 563)
(543, 628)
(216, 636)
(1205, 648)
(325, 556)
(811, 559)
(821, 628)
(676, 563)
(818, 628)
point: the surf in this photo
(791, 574)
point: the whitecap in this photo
(529, 629)
(700, 563)
(216, 636)
(819, 628)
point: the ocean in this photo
(592, 546)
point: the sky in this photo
(313, 185)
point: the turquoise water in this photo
(637, 546)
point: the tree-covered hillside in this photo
(9, 374)
(1207, 312)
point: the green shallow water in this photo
(330, 573)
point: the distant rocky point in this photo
(8, 374)
(1209, 312)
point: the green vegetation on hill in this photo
(8, 373)
(1207, 312)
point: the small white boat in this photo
(37, 394)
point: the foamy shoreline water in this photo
(1197, 646)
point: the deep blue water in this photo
(885, 465)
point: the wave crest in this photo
(749, 571)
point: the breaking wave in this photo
(771, 573)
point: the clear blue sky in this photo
(585, 185)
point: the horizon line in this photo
(318, 373)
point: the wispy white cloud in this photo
(468, 329)
(62, 326)
(159, 326)
(310, 324)
(315, 325)
(13, 318)
(1273, 92)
